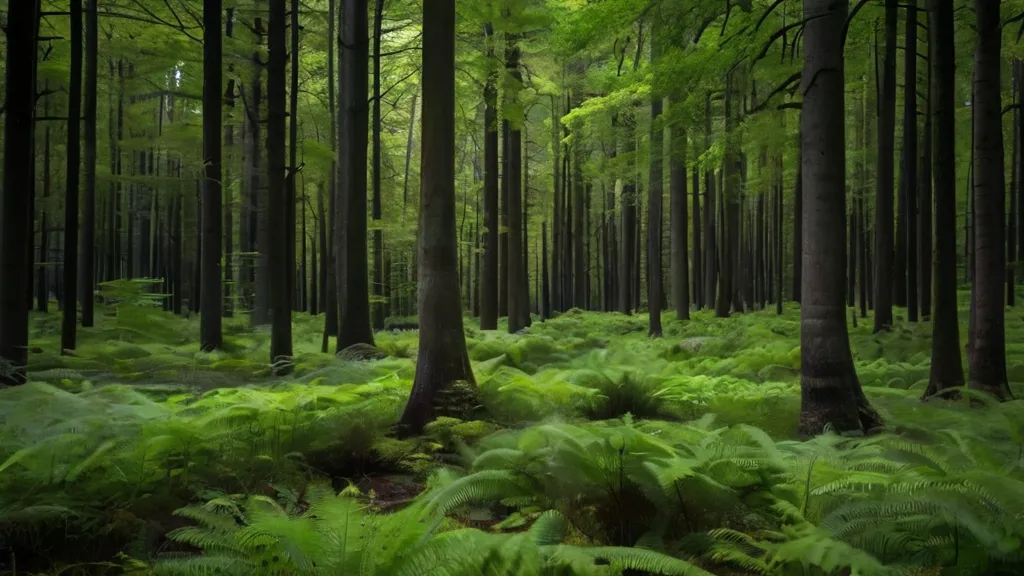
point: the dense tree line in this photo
(381, 165)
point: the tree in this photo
(680, 268)
(988, 358)
(442, 358)
(20, 88)
(350, 239)
(946, 369)
(88, 251)
(654, 209)
(489, 280)
(830, 391)
(212, 300)
(277, 258)
(883, 273)
(68, 329)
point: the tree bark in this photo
(442, 358)
(677, 227)
(87, 264)
(351, 241)
(883, 269)
(68, 333)
(830, 391)
(212, 285)
(378, 233)
(988, 360)
(489, 280)
(655, 192)
(277, 259)
(946, 367)
(518, 281)
(20, 89)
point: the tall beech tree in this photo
(883, 272)
(830, 391)
(350, 221)
(210, 337)
(489, 279)
(69, 321)
(442, 358)
(987, 359)
(946, 368)
(20, 89)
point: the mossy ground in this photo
(103, 445)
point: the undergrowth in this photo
(603, 452)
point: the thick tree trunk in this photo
(830, 392)
(710, 217)
(1015, 185)
(988, 361)
(276, 209)
(628, 259)
(212, 286)
(883, 252)
(68, 333)
(910, 166)
(328, 219)
(442, 358)
(350, 248)
(697, 257)
(946, 367)
(925, 214)
(518, 281)
(20, 90)
(42, 274)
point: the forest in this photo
(512, 287)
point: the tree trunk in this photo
(1015, 184)
(830, 391)
(697, 257)
(277, 258)
(677, 226)
(88, 248)
(42, 281)
(545, 296)
(924, 214)
(883, 253)
(654, 208)
(351, 242)
(988, 361)
(798, 226)
(911, 153)
(20, 89)
(489, 280)
(378, 233)
(503, 221)
(442, 358)
(627, 259)
(68, 333)
(328, 219)
(946, 367)
(259, 201)
(212, 286)
(710, 248)
(518, 281)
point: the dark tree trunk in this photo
(697, 257)
(883, 252)
(579, 258)
(798, 226)
(378, 233)
(946, 367)
(779, 236)
(442, 358)
(259, 201)
(20, 89)
(212, 287)
(503, 222)
(545, 296)
(42, 280)
(988, 361)
(88, 247)
(489, 280)
(293, 277)
(910, 166)
(677, 225)
(627, 259)
(710, 248)
(277, 210)
(924, 214)
(328, 219)
(654, 209)
(351, 242)
(556, 226)
(68, 333)
(730, 215)
(1015, 185)
(518, 281)
(830, 391)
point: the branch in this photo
(766, 13)
(849, 18)
(393, 86)
(779, 89)
(1010, 107)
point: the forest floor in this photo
(582, 414)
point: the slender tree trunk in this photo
(779, 236)
(697, 257)
(489, 280)
(378, 233)
(627, 259)
(830, 391)
(88, 248)
(42, 274)
(883, 253)
(1015, 184)
(910, 150)
(924, 215)
(68, 333)
(710, 248)
(329, 219)
(556, 226)
(277, 210)
(677, 226)
(442, 357)
(212, 282)
(517, 279)
(545, 297)
(503, 221)
(654, 209)
(988, 360)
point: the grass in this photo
(593, 446)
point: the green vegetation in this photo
(592, 449)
